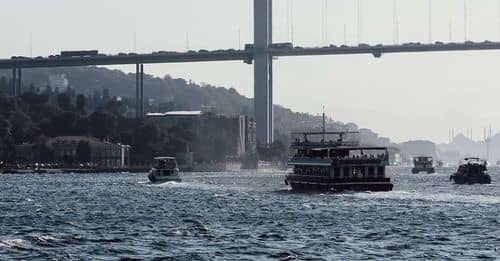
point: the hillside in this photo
(91, 80)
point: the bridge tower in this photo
(263, 80)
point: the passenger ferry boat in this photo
(471, 171)
(336, 165)
(165, 169)
(423, 164)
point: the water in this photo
(244, 215)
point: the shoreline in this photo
(72, 171)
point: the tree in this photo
(64, 101)
(81, 103)
(7, 105)
(83, 151)
(146, 138)
(31, 98)
(4, 85)
(5, 139)
(64, 124)
(21, 126)
(102, 125)
(116, 107)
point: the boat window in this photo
(347, 172)
(371, 172)
(381, 171)
(336, 172)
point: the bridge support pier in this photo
(263, 87)
(19, 81)
(139, 91)
(16, 81)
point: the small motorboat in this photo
(471, 171)
(165, 169)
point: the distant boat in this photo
(165, 169)
(471, 171)
(423, 164)
(440, 164)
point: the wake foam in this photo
(437, 197)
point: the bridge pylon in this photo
(263, 87)
(139, 91)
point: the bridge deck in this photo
(239, 55)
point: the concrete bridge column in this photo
(18, 92)
(139, 91)
(14, 81)
(142, 92)
(263, 98)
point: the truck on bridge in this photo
(79, 53)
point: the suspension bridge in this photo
(260, 54)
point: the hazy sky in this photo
(402, 96)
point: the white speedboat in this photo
(165, 169)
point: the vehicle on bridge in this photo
(19, 57)
(336, 165)
(281, 45)
(423, 164)
(79, 53)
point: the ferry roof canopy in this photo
(175, 113)
(333, 146)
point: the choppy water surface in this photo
(244, 216)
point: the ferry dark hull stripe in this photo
(298, 182)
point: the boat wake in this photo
(437, 197)
(15, 244)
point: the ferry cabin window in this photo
(381, 171)
(371, 172)
(339, 153)
(347, 172)
(336, 172)
(357, 172)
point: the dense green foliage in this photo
(32, 118)
(169, 93)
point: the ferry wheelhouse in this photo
(336, 164)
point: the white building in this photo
(59, 81)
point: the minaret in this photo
(324, 124)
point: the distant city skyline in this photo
(401, 96)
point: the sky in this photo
(401, 96)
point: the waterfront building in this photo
(238, 130)
(72, 150)
(58, 81)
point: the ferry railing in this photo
(313, 144)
